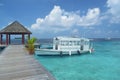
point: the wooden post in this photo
(7, 39)
(28, 36)
(22, 38)
(0, 38)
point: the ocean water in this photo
(102, 64)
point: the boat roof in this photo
(71, 38)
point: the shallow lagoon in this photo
(103, 64)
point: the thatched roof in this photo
(15, 28)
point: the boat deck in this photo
(17, 64)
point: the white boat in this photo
(66, 45)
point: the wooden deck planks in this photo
(17, 64)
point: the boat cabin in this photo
(71, 44)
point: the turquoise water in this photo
(103, 64)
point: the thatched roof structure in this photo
(15, 28)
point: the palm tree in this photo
(31, 47)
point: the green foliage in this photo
(31, 45)
(32, 40)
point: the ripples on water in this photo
(103, 64)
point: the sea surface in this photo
(102, 64)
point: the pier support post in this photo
(0, 38)
(22, 38)
(28, 36)
(7, 40)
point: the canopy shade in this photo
(15, 28)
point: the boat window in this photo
(82, 42)
(86, 42)
(62, 43)
(67, 43)
(74, 42)
(70, 43)
(78, 43)
(82, 47)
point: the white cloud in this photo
(91, 18)
(60, 20)
(114, 6)
(114, 10)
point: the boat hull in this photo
(49, 52)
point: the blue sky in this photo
(50, 18)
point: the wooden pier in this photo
(17, 64)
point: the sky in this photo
(51, 18)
